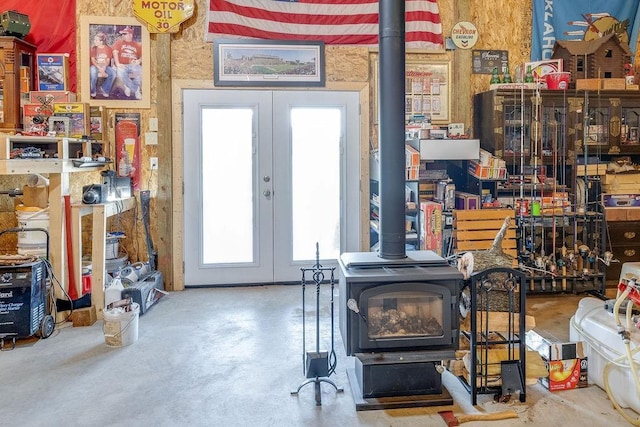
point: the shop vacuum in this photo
(25, 299)
(143, 283)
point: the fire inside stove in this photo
(404, 314)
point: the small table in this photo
(100, 212)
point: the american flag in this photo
(352, 22)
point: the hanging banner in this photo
(163, 16)
(579, 20)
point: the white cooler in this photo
(595, 326)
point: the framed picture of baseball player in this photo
(114, 62)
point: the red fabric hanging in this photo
(53, 27)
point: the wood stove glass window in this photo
(405, 314)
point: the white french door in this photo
(267, 176)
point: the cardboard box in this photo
(612, 83)
(455, 129)
(97, 122)
(412, 156)
(35, 117)
(431, 226)
(566, 361)
(467, 201)
(620, 200)
(588, 84)
(78, 113)
(84, 316)
(540, 69)
(412, 173)
(53, 71)
(35, 196)
(566, 374)
(553, 349)
(49, 96)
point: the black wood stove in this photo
(398, 309)
(399, 319)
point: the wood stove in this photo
(398, 310)
(399, 319)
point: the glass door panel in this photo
(316, 134)
(227, 153)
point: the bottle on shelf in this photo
(528, 77)
(495, 78)
(506, 78)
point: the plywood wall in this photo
(503, 24)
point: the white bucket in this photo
(30, 242)
(111, 248)
(121, 327)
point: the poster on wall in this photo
(127, 131)
(579, 20)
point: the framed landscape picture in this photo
(268, 63)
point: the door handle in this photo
(267, 194)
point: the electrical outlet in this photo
(153, 163)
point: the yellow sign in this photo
(163, 16)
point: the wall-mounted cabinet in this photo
(17, 77)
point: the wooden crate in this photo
(476, 230)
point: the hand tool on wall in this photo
(455, 420)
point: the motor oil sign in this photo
(163, 16)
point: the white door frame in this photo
(177, 243)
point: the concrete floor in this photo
(231, 357)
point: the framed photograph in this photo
(427, 91)
(114, 62)
(59, 126)
(268, 63)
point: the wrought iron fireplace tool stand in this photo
(318, 365)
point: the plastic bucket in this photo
(111, 248)
(32, 242)
(558, 81)
(121, 327)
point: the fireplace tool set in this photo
(318, 365)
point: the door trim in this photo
(177, 242)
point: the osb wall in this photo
(505, 25)
(502, 24)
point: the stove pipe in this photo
(391, 140)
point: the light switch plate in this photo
(151, 138)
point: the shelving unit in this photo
(412, 205)
(100, 212)
(541, 136)
(48, 147)
(58, 171)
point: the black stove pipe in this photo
(391, 139)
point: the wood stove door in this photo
(266, 176)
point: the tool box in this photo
(145, 291)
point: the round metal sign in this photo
(464, 35)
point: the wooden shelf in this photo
(100, 214)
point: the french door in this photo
(271, 178)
